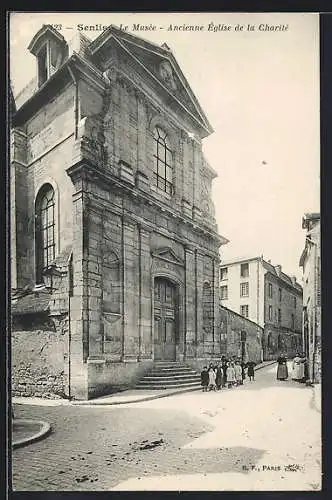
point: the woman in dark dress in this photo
(251, 370)
(282, 371)
(219, 375)
(224, 369)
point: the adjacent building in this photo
(114, 243)
(240, 336)
(263, 293)
(311, 266)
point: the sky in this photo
(259, 89)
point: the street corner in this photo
(28, 431)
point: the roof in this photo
(31, 302)
(269, 268)
(136, 48)
(238, 260)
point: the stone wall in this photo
(108, 377)
(38, 363)
(276, 342)
(230, 327)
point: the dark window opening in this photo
(163, 171)
(45, 230)
(42, 66)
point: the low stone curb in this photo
(95, 402)
(41, 434)
(264, 365)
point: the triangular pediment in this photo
(161, 64)
(168, 255)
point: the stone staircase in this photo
(170, 375)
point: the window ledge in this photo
(160, 191)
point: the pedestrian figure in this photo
(224, 372)
(238, 373)
(212, 379)
(219, 375)
(298, 368)
(243, 367)
(282, 370)
(230, 374)
(251, 370)
(306, 367)
(204, 378)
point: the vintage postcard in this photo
(165, 251)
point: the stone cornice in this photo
(85, 169)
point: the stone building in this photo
(114, 244)
(310, 263)
(267, 296)
(240, 336)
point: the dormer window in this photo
(43, 73)
(49, 60)
(50, 49)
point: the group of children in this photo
(227, 372)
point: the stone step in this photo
(168, 373)
(163, 380)
(171, 386)
(169, 365)
(191, 373)
(173, 369)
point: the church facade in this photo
(114, 244)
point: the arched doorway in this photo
(165, 319)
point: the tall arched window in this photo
(163, 171)
(45, 230)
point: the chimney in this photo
(278, 269)
(293, 278)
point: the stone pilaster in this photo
(190, 305)
(197, 162)
(131, 333)
(142, 175)
(216, 337)
(95, 283)
(79, 328)
(199, 308)
(125, 124)
(22, 226)
(117, 130)
(145, 320)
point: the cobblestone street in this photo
(263, 435)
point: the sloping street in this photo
(264, 435)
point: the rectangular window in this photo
(244, 289)
(223, 273)
(270, 290)
(293, 322)
(244, 270)
(163, 162)
(244, 311)
(295, 302)
(280, 292)
(270, 313)
(279, 315)
(224, 292)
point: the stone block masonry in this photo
(38, 363)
